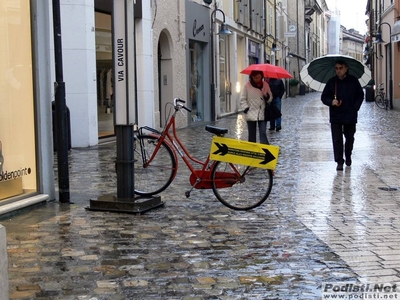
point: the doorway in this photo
(225, 84)
(196, 82)
(104, 71)
(165, 76)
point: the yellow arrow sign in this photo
(244, 153)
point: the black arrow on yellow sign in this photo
(266, 157)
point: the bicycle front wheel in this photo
(241, 187)
(159, 173)
(379, 101)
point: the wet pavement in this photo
(318, 225)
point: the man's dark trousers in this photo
(338, 130)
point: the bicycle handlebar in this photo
(177, 104)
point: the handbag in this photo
(271, 112)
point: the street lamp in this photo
(274, 47)
(379, 40)
(288, 55)
(223, 31)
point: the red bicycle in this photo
(156, 165)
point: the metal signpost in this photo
(124, 103)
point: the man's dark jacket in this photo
(277, 87)
(350, 92)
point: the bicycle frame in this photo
(199, 178)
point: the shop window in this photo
(104, 65)
(196, 88)
(17, 122)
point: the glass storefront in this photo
(254, 52)
(17, 122)
(105, 100)
(225, 85)
(196, 89)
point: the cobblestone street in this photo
(318, 225)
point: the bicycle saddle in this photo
(216, 130)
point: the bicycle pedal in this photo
(187, 194)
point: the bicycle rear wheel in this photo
(158, 175)
(379, 101)
(386, 103)
(241, 187)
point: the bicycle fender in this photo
(171, 147)
(153, 130)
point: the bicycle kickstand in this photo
(187, 193)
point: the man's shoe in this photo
(339, 167)
(272, 129)
(278, 128)
(348, 162)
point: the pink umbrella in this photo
(269, 71)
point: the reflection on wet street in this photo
(318, 225)
(355, 212)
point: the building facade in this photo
(352, 43)
(383, 46)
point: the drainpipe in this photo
(275, 20)
(371, 28)
(265, 31)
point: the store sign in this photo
(198, 29)
(119, 47)
(11, 181)
(396, 38)
(290, 34)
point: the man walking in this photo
(278, 89)
(344, 96)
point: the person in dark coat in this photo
(344, 95)
(278, 89)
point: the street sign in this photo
(123, 60)
(244, 153)
(395, 38)
(290, 34)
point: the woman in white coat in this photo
(253, 105)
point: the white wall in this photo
(170, 20)
(145, 63)
(79, 66)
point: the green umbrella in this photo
(317, 73)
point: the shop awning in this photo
(396, 32)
